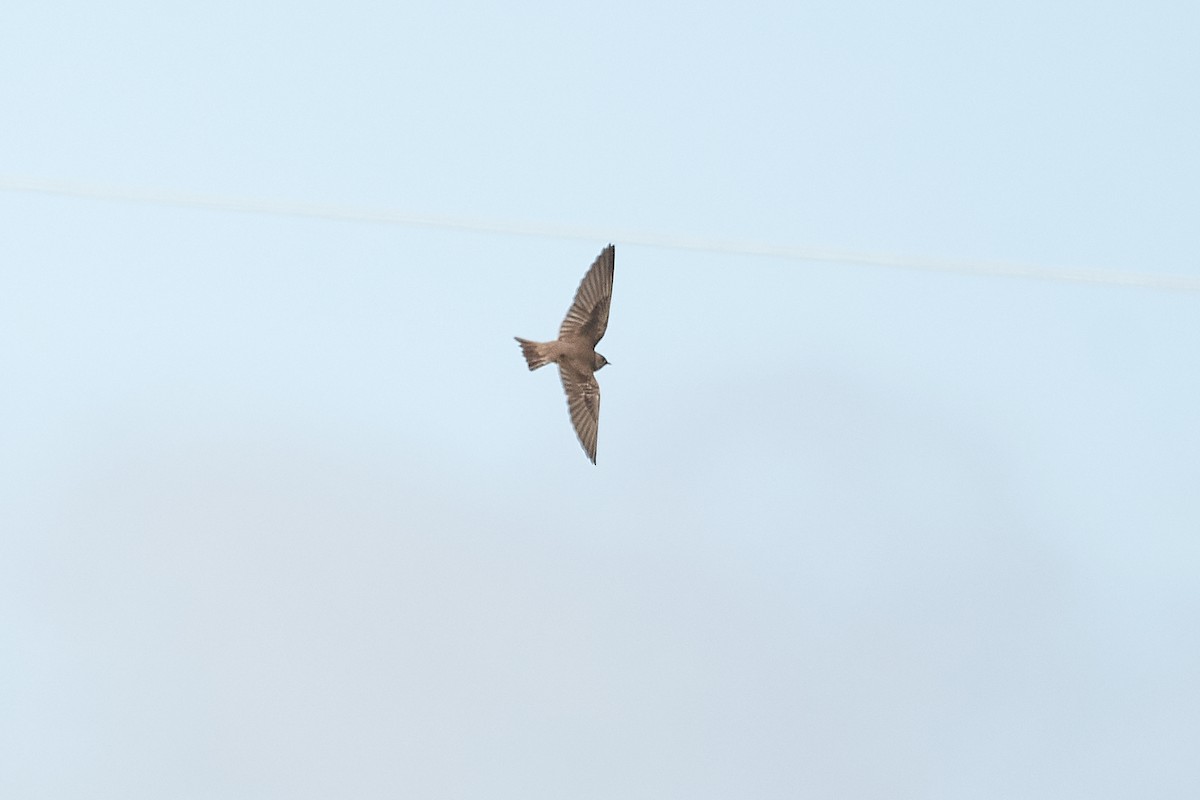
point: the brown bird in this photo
(575, 349)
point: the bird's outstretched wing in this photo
(588, 316)
(583, 400)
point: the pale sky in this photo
(285, 516)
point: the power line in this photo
(1167, 282)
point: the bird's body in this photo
(575, 349)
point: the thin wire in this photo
(1166, 282)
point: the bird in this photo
(575, 349)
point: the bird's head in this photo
(598, 362)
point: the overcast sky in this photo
(285, 516)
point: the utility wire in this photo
(1167, 282)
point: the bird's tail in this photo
(535, 352)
